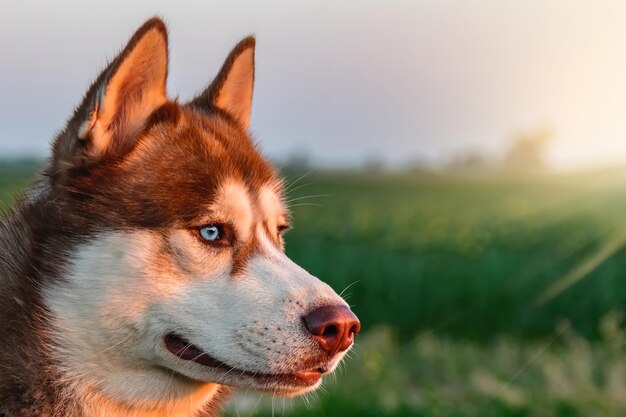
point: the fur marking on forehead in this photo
(233, 204)
(272, 207)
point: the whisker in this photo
(307, 401)
(298, 179)
(306, 196)
(237, 405)
(348, 286)
(306, 204)
(283, 413)
(187, 346)
(291, 190)
(116, 344)
(273, 398)
(255, 407)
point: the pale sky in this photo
(345, 80)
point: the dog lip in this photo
(310, 376)
(190, 352)
(185, 350)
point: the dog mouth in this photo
(185, 350)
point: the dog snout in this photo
(333, 327)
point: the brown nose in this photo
(333, 327)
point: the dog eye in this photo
(216, 234)
(210, 233)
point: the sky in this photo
(347, 81)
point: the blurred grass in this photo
(14, 177)
(564, 376)
(464, 256)
(447, 275)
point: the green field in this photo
(466, 257)
(479, 296)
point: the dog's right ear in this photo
(231, 90)
(120, 101)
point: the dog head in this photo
(171, 225)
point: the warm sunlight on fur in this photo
(147, 272)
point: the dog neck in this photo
(204, 402)
(50, 401)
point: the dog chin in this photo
(294, 392)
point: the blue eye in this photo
(216, 234)
(211, 233)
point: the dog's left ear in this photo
(231, 90)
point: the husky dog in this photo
(144, 273)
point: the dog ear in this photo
(231, 90)
(120, 101)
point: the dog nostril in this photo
(330, 331)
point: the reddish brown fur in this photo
(163, 177)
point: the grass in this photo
(466, 257)
(478, 296)
(563, 376)
(14, 177)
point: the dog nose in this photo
(333, 327)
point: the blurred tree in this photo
(297, 161)
(470, 161)
(374, 163)
(418, 166)
(528, 149)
